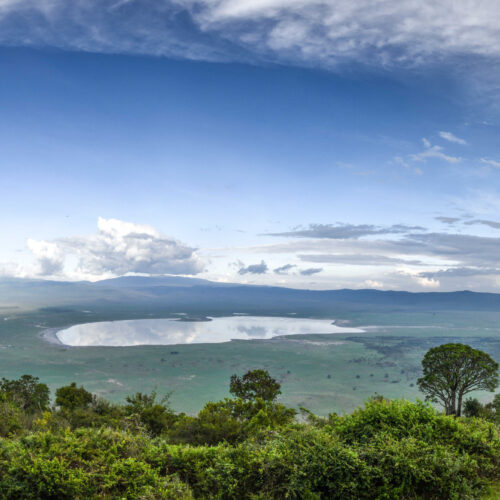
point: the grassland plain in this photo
(324, 372)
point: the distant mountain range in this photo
(174, 293)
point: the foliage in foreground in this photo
(245, 448)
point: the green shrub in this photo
(156, 417)
(82, 464)
(11, 419)
(244, 449)
(231, 421)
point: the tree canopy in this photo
(27, 392)
(450, 371)
(255, 384)
(71, 397)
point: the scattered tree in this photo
(255, 384)
(450, 371)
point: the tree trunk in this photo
(451, 410)
(459, 409)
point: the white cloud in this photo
(448, 136)
(373, 284)
(427, 282)
(423, 281)
(10, 269)
(49, 257)
(116, 249)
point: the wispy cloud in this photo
(448, 220)
(358, 259)
(311, 271)
(285, 269)
(407, 33)
(343, 231)
(491, 223)
(461, 272)
(433, 151)
(493, 163)
(450, 137)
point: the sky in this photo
(302, 143)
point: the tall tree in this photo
(450, 371)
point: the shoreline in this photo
(50, 335)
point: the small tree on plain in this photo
(450, 371)
(255, 384)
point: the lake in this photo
(176, 331)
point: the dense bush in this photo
(11, 419)
(82, 464)
(242, 448)
(433, 457)
(231, 421)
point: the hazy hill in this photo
(179, 293)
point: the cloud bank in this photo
(117, 248)
(397, 257)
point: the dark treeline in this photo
(247, 446)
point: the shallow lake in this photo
(175, 331)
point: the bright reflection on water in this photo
(173, 331)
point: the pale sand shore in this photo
(50, 336)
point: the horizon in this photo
(308, 145)
(159, 277)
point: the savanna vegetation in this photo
(250, 445)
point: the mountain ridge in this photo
(190, 293)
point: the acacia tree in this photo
(453, 370)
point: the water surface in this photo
(175, 331)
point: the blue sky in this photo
(305, 143)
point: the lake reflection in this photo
(174, 331)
